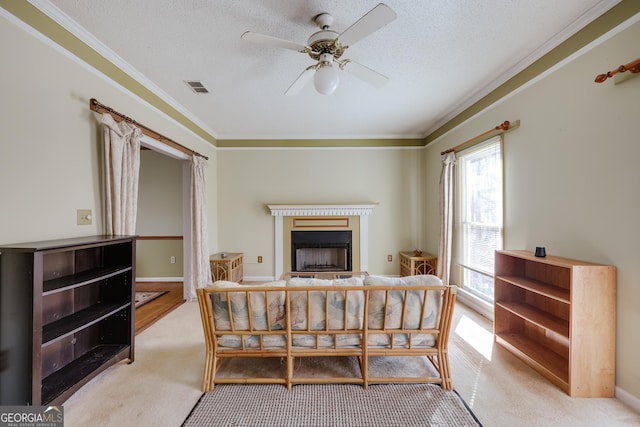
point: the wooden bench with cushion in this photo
(305, 317)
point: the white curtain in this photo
(446, 216)
(200, 270)
(121, 141)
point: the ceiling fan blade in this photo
(366, 74)
(273, 41)
(372, 21)
(301, 81)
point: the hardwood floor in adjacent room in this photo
(151, 312)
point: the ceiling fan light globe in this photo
(326, 79)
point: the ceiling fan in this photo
(327, 47)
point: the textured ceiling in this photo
(440, 57)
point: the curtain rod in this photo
(633, 66)
(500, 129)
(96, 106)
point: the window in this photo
(480, 215)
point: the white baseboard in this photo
(481, 306)
(159, 279)
(628, 399)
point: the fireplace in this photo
(353, 218)
(321, 251)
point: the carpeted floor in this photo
(402, 405)
(164, 383)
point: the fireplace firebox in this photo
(321, 251)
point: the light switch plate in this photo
(84, 217)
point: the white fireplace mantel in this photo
(361, 210)
(321, 210)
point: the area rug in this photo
(401, 405)
(144, 297)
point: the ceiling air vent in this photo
(196, 86)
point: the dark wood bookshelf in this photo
(61, 382)
(67, 314)
(79, 320)
(81, 279)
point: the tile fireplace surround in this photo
(280, 212)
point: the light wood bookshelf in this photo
(558, 315)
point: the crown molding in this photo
(64, 21)
(569, 31)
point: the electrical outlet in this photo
(172, 260)
(389, 258)
(259, 259)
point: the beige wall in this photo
(153, 259)
(249, 179)
(49, 153)
(571, 170)
(159, 195)
(159, 214)
(571, 176)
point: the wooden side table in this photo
(412, 265)
(226, 266)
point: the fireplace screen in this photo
(321, 250)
